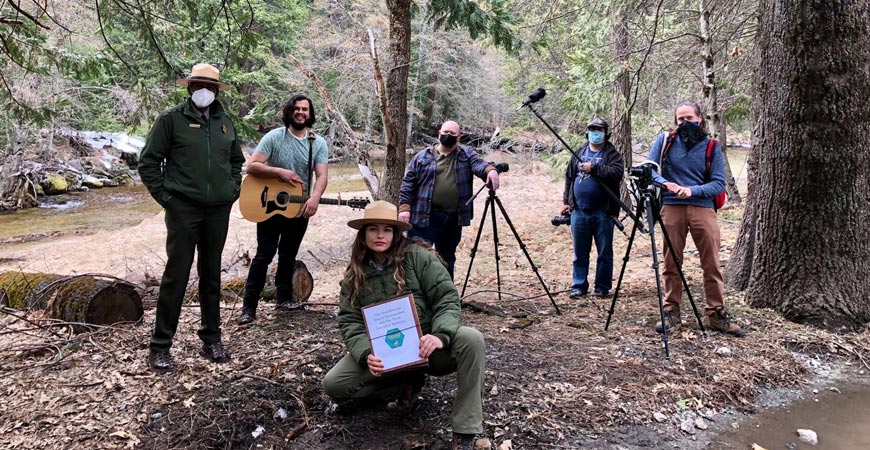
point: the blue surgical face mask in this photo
(595, 137)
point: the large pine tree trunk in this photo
(620, 91)
(812, 257)
(398, 61)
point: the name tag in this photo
(194, 125)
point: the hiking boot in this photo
(215, 353)
(576, 293)
(462, 441)
(289, 306)
(160, 362)
(601, 293)
(246, 317)
(721, 321)
(408, 395)
(672, 319)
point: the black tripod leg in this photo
(474, 247)
(621, 273)
(682, 276)
(495, 241)
(650, 218)
(525, 252)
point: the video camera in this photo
(499, 167)
(563, 219)
(642, 174)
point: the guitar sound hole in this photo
(282, 199)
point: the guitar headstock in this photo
(358, 203)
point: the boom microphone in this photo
(538, 94)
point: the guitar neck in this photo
(323, 201)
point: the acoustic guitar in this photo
(262, 198)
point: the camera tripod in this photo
(644, 204)
(492, 201)
(647, 204)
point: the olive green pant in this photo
(191, 228)
(465, 356)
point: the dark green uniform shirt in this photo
(444, 195)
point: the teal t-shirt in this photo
(283, 149)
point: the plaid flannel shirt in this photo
(418, 184)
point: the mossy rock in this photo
(55, 184)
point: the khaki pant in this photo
(465, 356)
(702, 224)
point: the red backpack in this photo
(718, 199)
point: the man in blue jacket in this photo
(592, 209)
(436, 185)
(688, 207)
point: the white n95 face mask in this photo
(202, 98)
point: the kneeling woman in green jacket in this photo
(384, 264)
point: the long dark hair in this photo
(355, 276)
(287, 112)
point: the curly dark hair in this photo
(287, 112)
(354, 276)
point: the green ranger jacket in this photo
(434, 293)
(197, 160)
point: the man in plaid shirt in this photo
(436, 186)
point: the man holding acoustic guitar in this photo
(290, 154)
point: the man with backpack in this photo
(693, 175)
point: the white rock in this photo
(700, 424)
(688, 426)
(281, 413)
(808, 436)
(724, 351)
(659, 417)
(815, 391)
(833, 389)
(258, 432)
(506, 445)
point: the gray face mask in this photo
(202, 98)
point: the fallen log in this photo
(79, 299)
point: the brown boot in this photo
(720, 320)
(672, 319)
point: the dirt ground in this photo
(552, 381)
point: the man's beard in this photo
(298, 125)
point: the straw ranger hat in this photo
(380, 212)
(203, 73)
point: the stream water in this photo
(840, 418)
(100, 209)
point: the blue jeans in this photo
(586, 226)
(444, 232)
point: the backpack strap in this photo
(669, 141)
(708, 159)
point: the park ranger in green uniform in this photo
(192, 165)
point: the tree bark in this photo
(398, 61)
(812, 257)
(715, 120)
(739, 268)
(621, 93)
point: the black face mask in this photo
(690, 133)
(447, 140)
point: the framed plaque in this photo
(394, 332)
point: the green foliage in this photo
(496, 22)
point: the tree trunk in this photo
(714, 119)
(83, 299)
(621, 93)
(812, 258)
(17, 190)
(398, 60)
(739, 268)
